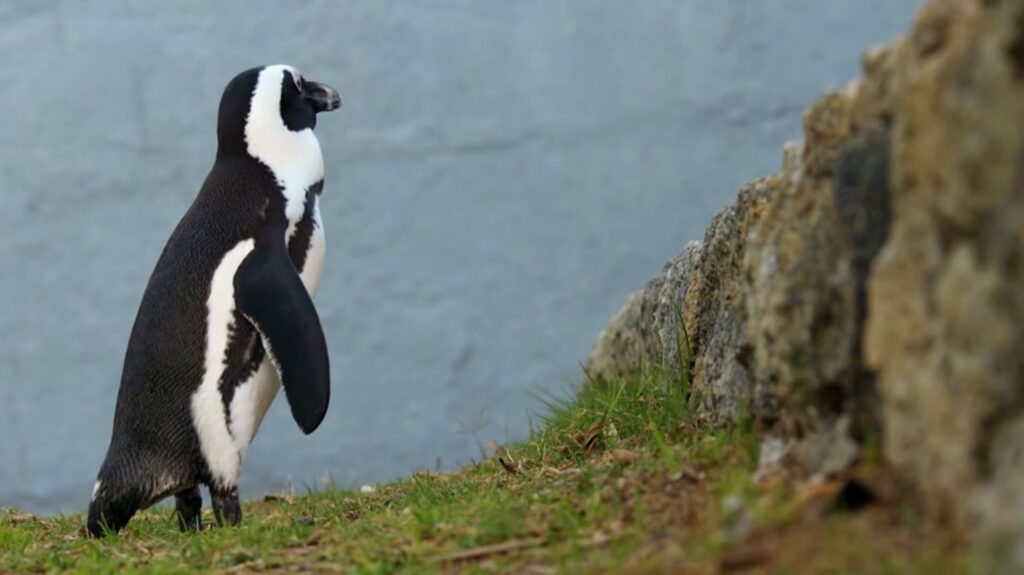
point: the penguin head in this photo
(112, 505)
(267, 106)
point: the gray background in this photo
(501, 176)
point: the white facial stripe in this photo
(95, 490)
(215, 440)
(293, 157)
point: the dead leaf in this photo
(553, 471)
(511, 469)
(591, 438)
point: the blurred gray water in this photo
(501, 176)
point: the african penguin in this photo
(228, 315)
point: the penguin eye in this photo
(298, 81)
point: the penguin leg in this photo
(189, 505)
(226, 508)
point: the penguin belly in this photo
(312, 269)
(251, 401)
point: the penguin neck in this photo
(293, 157)
(297, 164)
(295, 173)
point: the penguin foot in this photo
(226, 508)
(189, 507)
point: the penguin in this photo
(227, 317)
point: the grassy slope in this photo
(622, 479)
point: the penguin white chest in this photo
(313, 269)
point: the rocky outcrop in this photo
(946, 329)
(873, 286)
(649, 328)
(716, 303)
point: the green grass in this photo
(623, 477)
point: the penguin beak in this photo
(323, 97)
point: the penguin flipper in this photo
(271, 295)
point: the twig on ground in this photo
(495, 549)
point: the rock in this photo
(647, 330)
(808, 263)
(800, 299)
(717, 303)
(1001, 500)
(946, 323)
(771, 457)
(874, 285)
(829, 450)
(863, 200)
